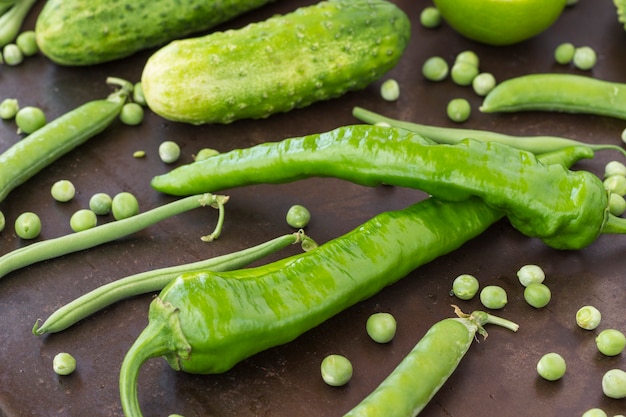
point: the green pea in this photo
(139, 154)
(588, 317)
(9, 108)
(390, 90)
(27, 43)
(595, 412)
(28, 225)
(615, 184)
(551, 366)
(614, 384)
(463, 73)
(131, 114)
(12, 54)
(336, 370)
(381, 327)
(205, 153)
(63, 191)
(493, 297)
(585, 58)
(430, 17)
(465, 286)
(100, 203)
(169, 151)
(614, 168)
(564, 53)
(611, 342)
(529, 274)
(30, 119)
(435, 68)
(537, 295)
(63, 363)
(83, 219)
(617, 204)
(124, 205)
(483, 83)
(2, 221)
(298, 216)
(138, 95)
(459, 110)
(469, 57)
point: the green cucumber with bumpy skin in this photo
(86, 32)
(288, 61)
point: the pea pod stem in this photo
(534, 144)
(12, 19)
(52, 248)
(156, 279)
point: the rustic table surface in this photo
(497, 377)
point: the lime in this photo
(500, 22)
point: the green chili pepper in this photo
(412, 384)
(44, 146)
(558, 92)
(534, 144)
(155, 280)
(566, 209)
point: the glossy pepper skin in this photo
(566, 209)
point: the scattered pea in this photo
(564, 53)
(169, 152)
(83, 219)
(30, 119)
(12, 54)
(614, 168)
(139, 154)
(298, 216)
(614, 384)
(28, 225)
(493, 297)
(463, 73)
(585, 58)
(100, 203)
(205, 153)
(336, 370)
(623, 136)
(617, 204)
(138, 96)
(9, 108)
(459, 110)
(483, 83)
(381, 327)
(63, 191)
(430, 17)
(469, 57)
(551, 366)
(390, 90)
(63, 363)
(611, 342)
(588, 317)
(529, 274)
(132, 114)
(465, 286)
(27, 43)
(124, 205)
(435, 68)
(537, 295)
(615, 184)
(595, 412)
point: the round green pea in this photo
(100, 203)
(390, 90)
(459, 110)
(9, 108)
(205, 153)
(29, 119)
(12, 54)
(614, 168)
(595, 412)
(27, 43)
(551, 366)
(83, 219)
(611, 342)
(430, 17)
(435, 68)
(132, 114)
(336, 370)
(138, 95)
(615, 184)
(28, 225)
(537, 295)
(169, 151)
(463, 73)
(564, 53)
(617, 204)
(465, 286)
(585, 58)
(493, 297)
(381, 327)
(469, 57)
(63, 191)
(63, 363)
(588, 317)
(298, 216)
(124, 205)
(529, 274)
(483, 83)
(614, 384)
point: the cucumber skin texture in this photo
(88, 32)
(287, 61)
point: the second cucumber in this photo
(288, 61)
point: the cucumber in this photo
(87, 32)
(288, 61)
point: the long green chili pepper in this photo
(566, 209)
(418, 377)
(12, 19)
(558, 92)
(44, 146)
(156, 280)
(450, 135)
(52, 248)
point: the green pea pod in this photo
(558, 92)
(413, 383)
(566, 209)
(12, 19)
(44, 146)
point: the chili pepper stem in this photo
(218, 203)
(163, 336)
(480, 318)
(614, 225)
(125, 90)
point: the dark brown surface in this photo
(496, 378)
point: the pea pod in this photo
(44, 146)
(413, 383)
(558, 92)
(12, 19)
(206, 322)
(566, 209)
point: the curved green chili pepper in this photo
(566, 209)
(44, 146)
(413, 383)
(558, 92)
